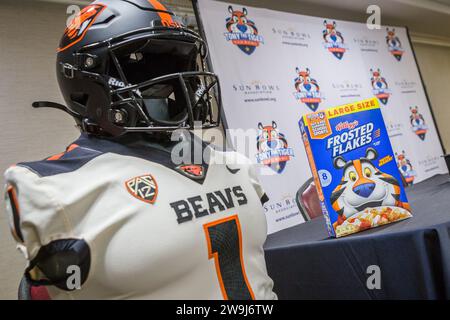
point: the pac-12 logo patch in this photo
(143, 188)
(273, 150)
(79, 25)
(379, 86)
(308, 90)
(334, 41)
(242, 32)
(193, 171)
(394, 44)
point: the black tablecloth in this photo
(413, 255)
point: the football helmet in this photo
(131, 66)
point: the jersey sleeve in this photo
(257, 184)
(235, 158)
(35, 216)
(41, 227)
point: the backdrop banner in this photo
(275, 66)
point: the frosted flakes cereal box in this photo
(354, 168)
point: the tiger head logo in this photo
(79, 25)
(334, 41)
(363, 185)
(391, 35)
(380, 86)
(308, 90)
(239, 23)
(242, 31)
(270, 138)
(394, 44)
(418, 122)
(406, 168)
(304, 82)
(273, 150)
(378, 82)
(330, 33)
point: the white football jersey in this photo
(139, 227)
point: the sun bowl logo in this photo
(394, 44)
(308, 90)
(406, 169)
(334, 41)
(379, 86)
(418, 123)
(242, 32)
(273, 149)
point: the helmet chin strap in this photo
(83, 124)
(54, 105)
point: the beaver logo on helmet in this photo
(363, 185)
(79, 25)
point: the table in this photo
(413, 255)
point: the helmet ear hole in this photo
(130, 116)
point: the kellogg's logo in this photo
(242, 32)
(394, 44)
(418, 123)
(334, 41)
(406, 169)
(273, 150)
(308, 90)
(346, 125)
(379, 86)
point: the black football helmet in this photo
(131, 66)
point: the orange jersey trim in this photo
(59, 155)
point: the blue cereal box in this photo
(354, 168)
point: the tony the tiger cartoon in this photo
(363, 186)
(307, 89)
(354, 167)
(334, 41)
(272, 146)
(406, 169)
(380, 86)
(242, 31)
(418, 123)
(394, 44)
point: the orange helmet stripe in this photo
(165, 17)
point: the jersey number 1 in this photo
(224, 240)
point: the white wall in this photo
(434, 63)
(29, 36)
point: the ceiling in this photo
(427, 20)
(430, 17)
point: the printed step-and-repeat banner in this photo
(276, 66)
